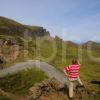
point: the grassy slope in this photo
(4, 98)
(20, 83)
(90, 70)
(11, 27)
(5, 22)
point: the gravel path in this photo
(51, 71)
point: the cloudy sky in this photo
(76, 20)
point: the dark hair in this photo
(74, 61)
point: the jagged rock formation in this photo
(44, 91)
(9, 50)
(51, 89)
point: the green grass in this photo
(4, 98)
(10, 27)
(20, 83)
(89, 69)
(46, 49)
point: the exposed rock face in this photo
(13, 28)
(3, 93)
(9, 50)
(10, 96)
(44, 89)
(51, 89)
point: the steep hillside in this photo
(11, 27)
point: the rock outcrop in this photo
(52, 89)
(45, 88)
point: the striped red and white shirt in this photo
(72, 70)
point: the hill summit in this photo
(11, 27)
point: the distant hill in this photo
(11, 27)
(90, 42)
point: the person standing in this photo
(72, 72)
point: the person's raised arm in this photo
(79, 63)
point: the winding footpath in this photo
(51, 71)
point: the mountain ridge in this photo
(12, 27)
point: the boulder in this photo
(44, 88)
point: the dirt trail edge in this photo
(51, 71)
